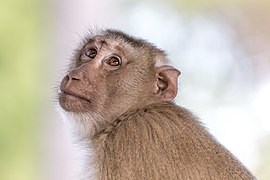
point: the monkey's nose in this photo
(73, 76)
(64, 82)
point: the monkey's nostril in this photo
(75, 79)
(72, 76)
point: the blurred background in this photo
(221, 48)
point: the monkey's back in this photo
(163, 141)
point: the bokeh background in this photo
(221, 47)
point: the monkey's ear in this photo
(167, 82)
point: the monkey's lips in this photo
(70, 96)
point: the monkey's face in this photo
(105, 77)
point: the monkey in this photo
(118, 94)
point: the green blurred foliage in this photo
(194, 6)
(19, 82)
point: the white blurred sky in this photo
(213, 84)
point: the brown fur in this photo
(162, 141)
(126, 115)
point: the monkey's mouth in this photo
(71, 95)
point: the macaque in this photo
(118, 95)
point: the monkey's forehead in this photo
(120, 36)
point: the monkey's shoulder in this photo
(162, 118)
(165, 135)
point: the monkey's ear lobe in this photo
(167, 86)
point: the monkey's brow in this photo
(103, 41)
(95, 40)
(89, 40)
(112, 45)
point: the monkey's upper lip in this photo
(64, 92)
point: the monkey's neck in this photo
(109, 128)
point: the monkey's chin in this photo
(72, 103)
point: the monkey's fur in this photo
(122, 108)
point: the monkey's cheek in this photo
(74, 104)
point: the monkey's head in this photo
(113, 73)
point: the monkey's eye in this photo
(114, 61)
(91, 53)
